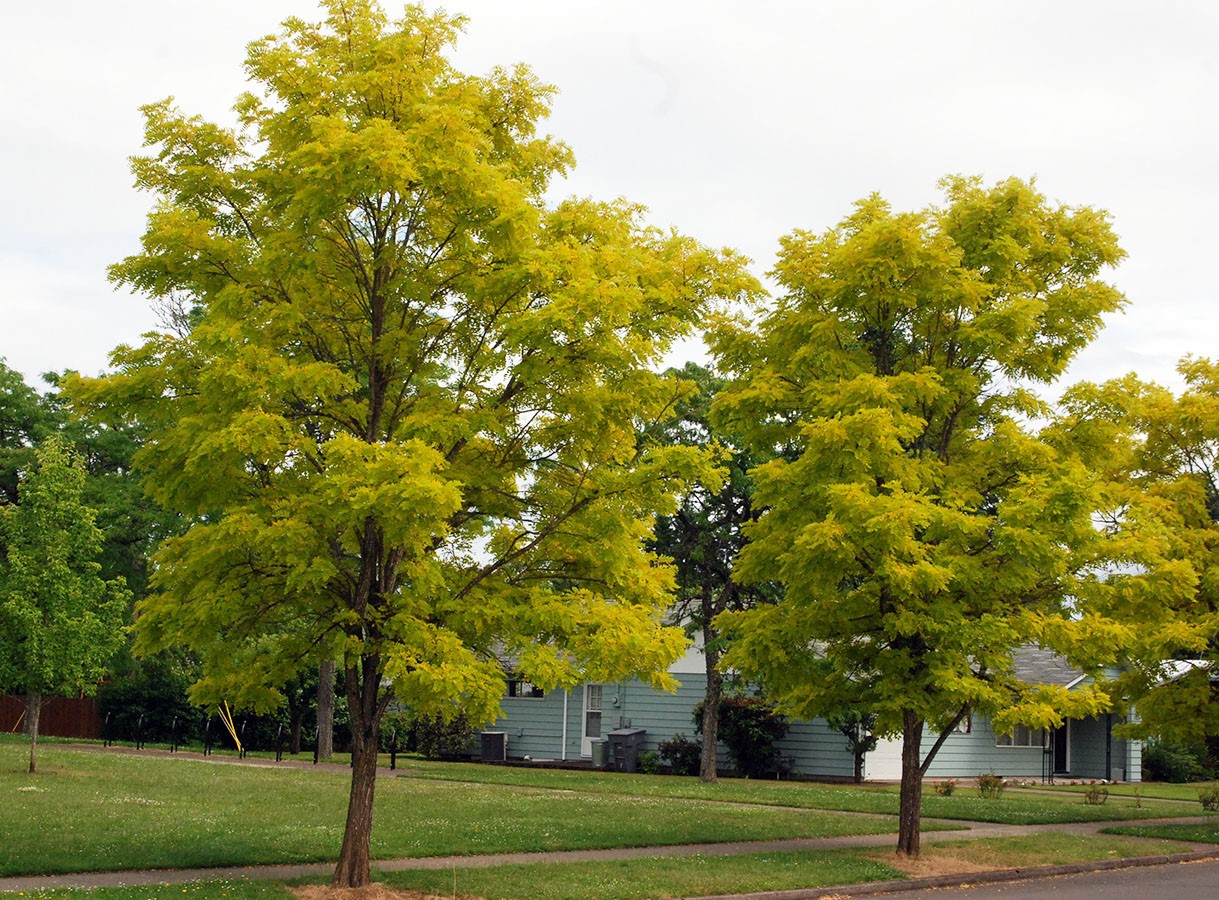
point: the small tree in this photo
(60, 622)
(857, 726)
(703, 538)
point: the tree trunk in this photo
(858, 745)
(711, 698)
(366, 705)
(711, 718)
(33, 709)
(325, 710)
(352, 870)
(912, 785)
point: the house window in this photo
(1021, 736)
(518, 687)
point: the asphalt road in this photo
(1178, 881)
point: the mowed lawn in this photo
(1015, 807)
(105, 810)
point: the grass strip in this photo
(650, 878)
(1198, 834)
(235, 889)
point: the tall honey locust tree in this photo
(919, 526)
(406, 421)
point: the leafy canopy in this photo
(921, 529)
(406, 423)
(1164, 450)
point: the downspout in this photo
(563, 749)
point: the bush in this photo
(1096, 795)
(1209, 799)
(1170, 761)
(990, 786)
(683, 754)
(145, 703)
(435, 737)
(749, 727)
(649, 762)
(946, 788)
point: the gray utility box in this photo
(600, 757)
(625, 744)
(494, 746)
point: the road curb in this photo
(998, 876)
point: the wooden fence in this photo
(72, 717)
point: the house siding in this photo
(975, 753)
(817, 749)
(534, 725)
(535, 729)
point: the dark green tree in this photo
(703, 538)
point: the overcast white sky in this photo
(735, 122)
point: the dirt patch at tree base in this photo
(931, 864)
(371, 892)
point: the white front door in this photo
(591, 720)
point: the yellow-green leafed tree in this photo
(1165, 450)
(921, 529)
(405, 417)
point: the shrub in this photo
(436, 737)
(1096, 795)
(1170, 761)
(649, 762)
(1209, 799)
(749, 727)
(683, 754)
(945, 788)
(145, 703)
(397, 725)
(990, 786)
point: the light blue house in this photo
(562, 725)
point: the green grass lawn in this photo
(1014, 808)
(1148, 789)
(99, 810)
(235, 889)
(1201, 834)
(650, 878)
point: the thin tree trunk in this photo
(325, 710)
(711, 718)
(912, 785)
(858, 746)
(366, 706)
(33, 709)
(711, 698)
